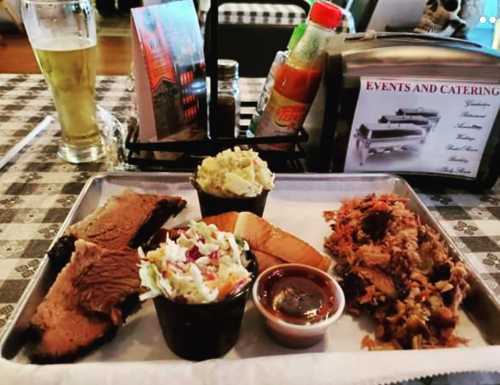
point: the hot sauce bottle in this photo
(267, 89)
(297, 80)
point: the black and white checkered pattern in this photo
(248, 13)
(251, 13)
(37, 189)
(473, 220)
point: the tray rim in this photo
(21, 305)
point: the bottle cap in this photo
(325, 14)
(227, 69)
(297, 33)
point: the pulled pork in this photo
(399, 271)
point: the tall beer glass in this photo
(63, 37)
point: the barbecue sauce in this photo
(297, 296)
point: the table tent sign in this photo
(169, 71)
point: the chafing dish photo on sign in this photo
(405, 131)
(426, 119)
(430, 115)
(425, 125)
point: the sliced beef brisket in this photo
(126, 220)
(98, 282)
(84, 305)
(105, 279)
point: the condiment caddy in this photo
(141, 154)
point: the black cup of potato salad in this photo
(233, 180)
(200, 283)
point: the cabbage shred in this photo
(202, 265)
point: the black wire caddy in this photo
(189, 153)
(185, 155)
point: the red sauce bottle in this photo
(297, 80)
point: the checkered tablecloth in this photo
(473, 221)
(37, 189)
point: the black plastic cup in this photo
(213, 205)
(203, 331)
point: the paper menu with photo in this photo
(169, 71)
(422, 125)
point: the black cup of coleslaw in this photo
(202, 331)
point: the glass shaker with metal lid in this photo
(228, 99)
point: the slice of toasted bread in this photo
(270, 240)
(263, 236)
(265, 260)
(224, 222)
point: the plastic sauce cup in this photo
(298, 302)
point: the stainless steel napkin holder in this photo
(403, 56)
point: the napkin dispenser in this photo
(422, 106)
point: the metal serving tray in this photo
(296, 204)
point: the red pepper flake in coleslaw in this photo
(202, 265)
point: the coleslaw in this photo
(202, 265)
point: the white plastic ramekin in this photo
(295, 335)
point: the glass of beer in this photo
(63, 37)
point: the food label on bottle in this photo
(422, 125)
(282, 116)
